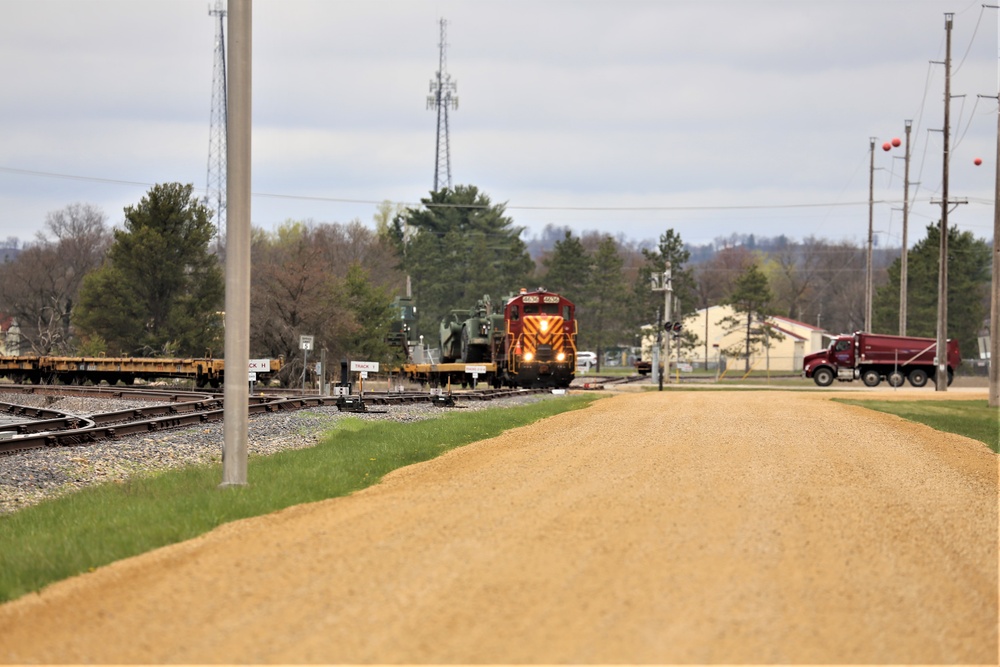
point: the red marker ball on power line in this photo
(886, 146)
(978, 161)
(896, 141)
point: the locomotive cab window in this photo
(514, 313)
(550, 309)
(531, 309)
(567, 315)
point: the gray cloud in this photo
(691, 108)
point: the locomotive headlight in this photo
(528, 356)
(561, 356)
(545, 325)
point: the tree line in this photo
(154, 286)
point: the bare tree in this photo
(301, 282)
(796, 274)
(39, 287)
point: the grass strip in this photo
(73, 534)
(973, 419)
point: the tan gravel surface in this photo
(674, 527)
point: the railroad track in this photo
(177, 409)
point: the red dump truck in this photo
(876, 357)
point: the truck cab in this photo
(837, 362)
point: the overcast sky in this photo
(711, 117)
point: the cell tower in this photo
(215, 197)
(441, 98)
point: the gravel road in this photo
(674, 527)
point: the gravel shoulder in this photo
(674, 527)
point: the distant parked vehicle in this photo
(586, 359)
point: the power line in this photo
(516, 207)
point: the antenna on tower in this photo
(215, 197)
(441, 98)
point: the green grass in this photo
(973, 419)
(64, 537)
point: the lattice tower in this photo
(442, 98)
(215, 197)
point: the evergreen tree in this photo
(568, 267)
(751, 299)
(968, 289)
(456, 249)
(670, 248)
(601, 312)
(160, 290)
(371, 312)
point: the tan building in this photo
(783, 354)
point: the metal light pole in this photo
(668, 297)
(236, 392)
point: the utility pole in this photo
(871, 214)
(994, 399)
(942, 314)
(236, 392)
(904, 256)
(995, 293)
(441, 99)
(215, 196)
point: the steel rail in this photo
(196, 412)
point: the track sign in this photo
(305, 343)
(364, 366)
(475, 370)
(260, 366)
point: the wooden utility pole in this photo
(995, 293)
(871, 221)
(942, 314)
(906, 249)
(994, 349)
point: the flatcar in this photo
(42, 369)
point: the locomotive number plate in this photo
(530, 299)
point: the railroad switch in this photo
(443, 401)
(354, 404)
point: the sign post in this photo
(363, 368)
(305, 344)
(257, 366)
(475, 371)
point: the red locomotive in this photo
(529, 341)
(539, 341)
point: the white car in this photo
(586, 359)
